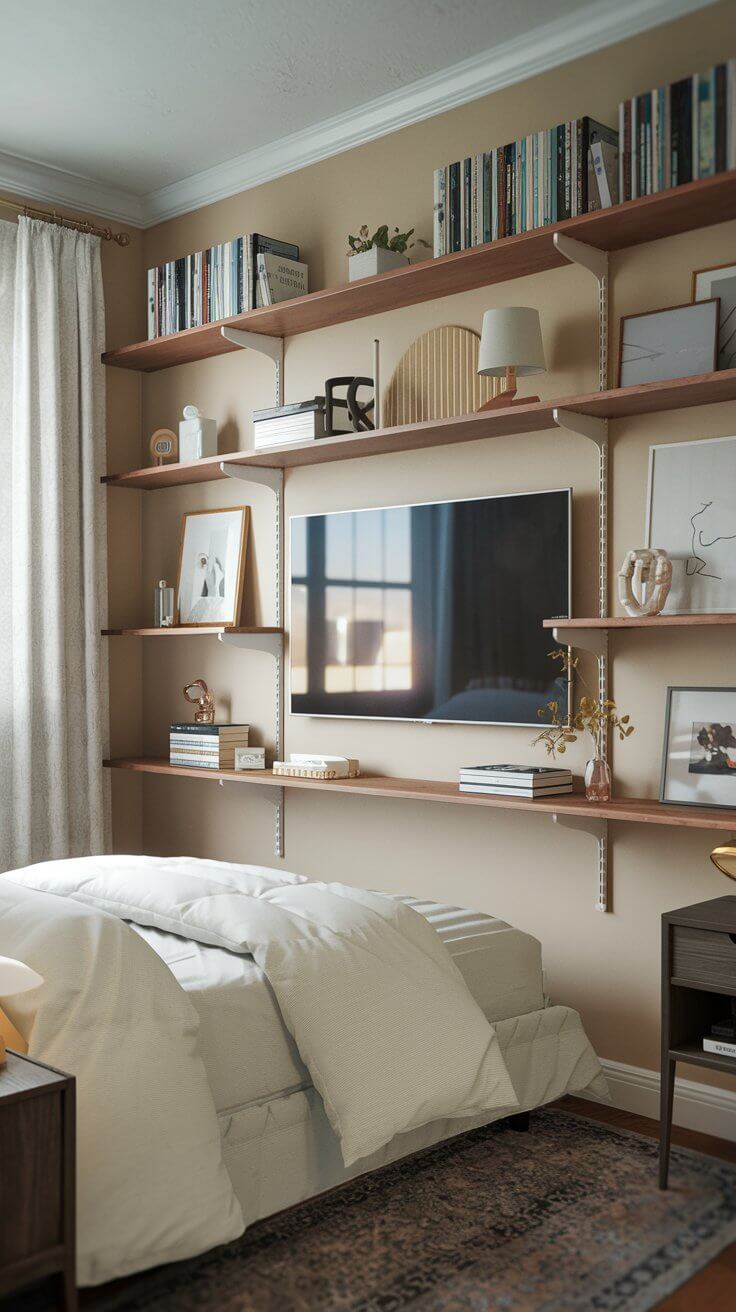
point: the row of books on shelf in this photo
(678, 133)
(515, 780)
(302, 421)
(539, 179)
(223, 281)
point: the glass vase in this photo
(598, 780)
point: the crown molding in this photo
(41, 182)
(591, 28)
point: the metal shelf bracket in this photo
(260, 474)
(598, 829)
(273, 347)
(264, 792)
(590, 426)
(592, 640)
(580, 252)
(273, 643)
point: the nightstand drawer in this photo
(705, 957)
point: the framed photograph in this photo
(211, 565)
(720, 281)
(691, 514)
(678, 342)
(699, 757)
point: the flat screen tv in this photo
(431, 612)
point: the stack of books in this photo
(678, 133)
(515, 780)
(303, 421)
(206, 746)
(527, 184)
(221, 282)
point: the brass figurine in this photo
(199, 695)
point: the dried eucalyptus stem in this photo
(592, 716)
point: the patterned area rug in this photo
(567, 1216)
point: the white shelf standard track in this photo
(596, 431)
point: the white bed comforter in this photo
(382, 1018)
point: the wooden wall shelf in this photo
(636, 809)
(707, 201)
(644, 622)
(184, 631)
(618, 403)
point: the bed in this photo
(280, 1139)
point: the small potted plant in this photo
(377, 253)
(593, 717)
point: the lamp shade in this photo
(16, 977)
(511, 338)
(724, 858)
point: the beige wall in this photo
(522, 869)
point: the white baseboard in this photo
(697, 1106)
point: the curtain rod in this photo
(81, 225)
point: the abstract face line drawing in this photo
(697, 564)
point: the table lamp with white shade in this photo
(15, 977)
(510, 347)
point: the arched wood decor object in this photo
(436, 378)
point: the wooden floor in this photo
(714, 1288)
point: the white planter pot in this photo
(376, 260)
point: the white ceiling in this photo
(131, 98)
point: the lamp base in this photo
(506, 399)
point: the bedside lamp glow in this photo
(724, 858)
(510, 346)
(15, 977)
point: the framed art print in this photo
(678, 342)
(211, 565)
(691, 514)
(699, 757)
(721, 282)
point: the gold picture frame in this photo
(210, 575)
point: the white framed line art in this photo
(680, 341)
(699, 750)
(720, 281)
(691, 514)
(212, 553)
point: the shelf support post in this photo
(273, 479)
(273, 347)
(264, 792)
(596, 431)
(598, 829)
(596, 262)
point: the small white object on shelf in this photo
(377, 260)
(197, 435)
(250, 758)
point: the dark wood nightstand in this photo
(37, 1179)
(698, 982)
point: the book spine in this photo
(455, 206)
(720, 1046)
(731, 115)
(487, 197)
(437, 213)
(719, 118)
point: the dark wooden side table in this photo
(698, 983)
(37, 1179)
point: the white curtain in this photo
(53, 682)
